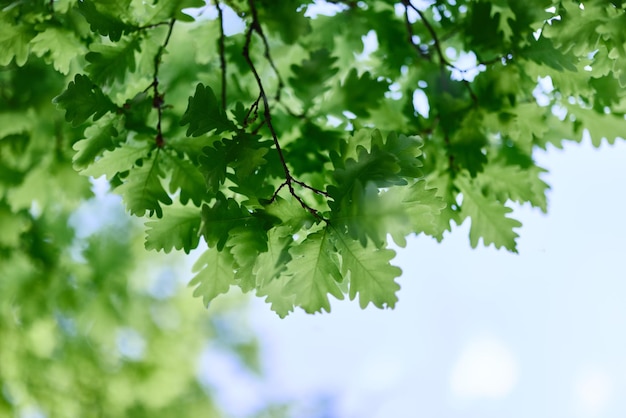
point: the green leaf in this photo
(371, 215)
(378, 166)
(14, 42)
(161, 11)
(600, 125)
(273, 290)
(215, 274)
(59, 46)
(245, 243)
(179, 228)
(103, 19)
(218, 220)
(142, 190)
(285, 17)
(214, 162)
(188, 179)
(371, 275)
(270, 264)
(82, 99)
(311, 75)
(118, 160)
(544, 52)
(423, 207)
(314, 272)
(204, 114)
(99, 137)
(489, 220)
(359, 94)
(293, 218)
(505, 17)
(515, 183)
(109, 63)
(468, 143)
(406, 149)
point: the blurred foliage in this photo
(92, 325)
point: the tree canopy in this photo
(296, 141)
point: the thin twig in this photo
(158, 99)
(443, 61)
(221, 47)
(256, 26)
(409, 29)
(152, 25)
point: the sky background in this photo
(476, 333)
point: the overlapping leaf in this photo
(371, 275)
(314, 272)
(179, 228)
(107, 17)
(204, 114)
(99, 137)
(82, 99)
(142, 190)
(488, 217)
(215, 274)
(109, 63)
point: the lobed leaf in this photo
(489, 220)
(142, 190)
(179, 228)
(214, 276)
(371, 275)
(82, 99)
(204, 114)
(314, 272)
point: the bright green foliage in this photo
(287, 149)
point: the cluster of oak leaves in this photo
(295, 157)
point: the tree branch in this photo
(255, 26)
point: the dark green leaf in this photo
(204, 114)
(83, 99)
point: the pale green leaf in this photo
(118, 160)
(371, 275)
(488, 216)
(314, 272)
(215, 274)
(179, 228)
